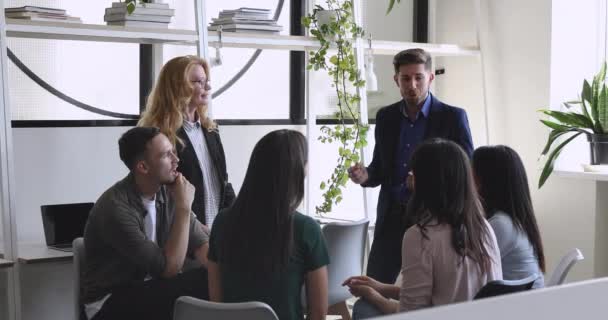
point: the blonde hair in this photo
(171, 96)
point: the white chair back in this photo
(189, 308)
(565, 264)
(346, 246)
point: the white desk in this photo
(30, 253)
(5, 263)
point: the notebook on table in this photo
(63, 223)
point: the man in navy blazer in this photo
(400, 127)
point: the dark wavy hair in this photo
(503, 186)
(132, 144)
(444, 192)
(258, 233)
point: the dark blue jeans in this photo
(364, 310)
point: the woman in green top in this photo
(261, 249)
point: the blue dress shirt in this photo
(411, 135)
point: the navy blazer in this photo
(444, 121)
(190, 168)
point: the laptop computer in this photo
(63, 223)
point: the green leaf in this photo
(391, 3)
(548, 169)
(602, 107)
(602, 74)
(306, 21)
(555, 126)
(130, 6)
(570, 118)
(595, 114)
(586, 94)
(344, 179)
(322, 186)
(556, 134)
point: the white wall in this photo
(61, 165)
(516, 44)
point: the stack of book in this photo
(245, 20)
(34, 13)
(148, 15)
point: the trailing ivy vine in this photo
(336, 55)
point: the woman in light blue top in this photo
(503, 187)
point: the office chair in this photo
(79, 259)
(563, 267)
(500, 287)
(189, 308)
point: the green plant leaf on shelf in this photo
(570, 118)
(602, 112)
(555, 125)
(554, 134)
(550, 162)
(595, 112)
(602, 74)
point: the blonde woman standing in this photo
(177, 105)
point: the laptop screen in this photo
(64, 222)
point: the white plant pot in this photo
(325, 16)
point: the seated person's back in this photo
(281, 289)
(435, 274)
(503, 187)
(261, 248)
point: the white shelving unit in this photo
(16, 28)
(202, 39)
(597, 176)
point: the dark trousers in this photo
(154, 299)
(384, 261)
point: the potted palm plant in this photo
(591, 120)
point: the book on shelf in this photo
(143, 24)
(245, 20)
(65, 19)
(142, 5)
(245, 13)
(242, 20)
(35, 9)
(141, 10)
(137, 17)
(249, 31)
(250, 10)
(22, 14)
(243, 16)
(226, 27)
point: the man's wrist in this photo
(182, 210)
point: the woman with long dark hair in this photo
(450, 252)
(261, 248)
(503, 188)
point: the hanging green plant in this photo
(335, 29)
